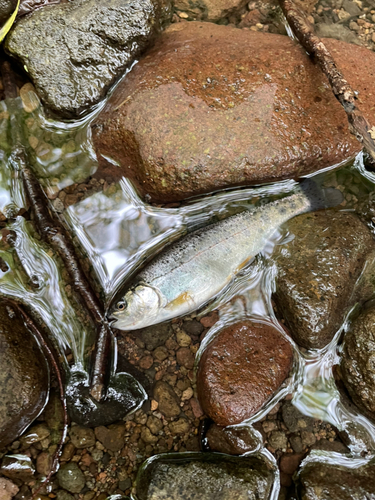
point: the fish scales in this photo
(197, 268)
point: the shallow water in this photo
(118, 232)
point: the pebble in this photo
(7, 489)
(166, 397)
(71, 477)
(82, 437)
(112, 437)
(232, 441)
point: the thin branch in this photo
(343, 92)
(60, 240)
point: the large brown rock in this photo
(24, 376)
(241, 369)
(317, 272)
(210, 107)
(357, 365)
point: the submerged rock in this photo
(24, 376)
(241, 369)
(211, 107)
(320, 481)
(7, 489)
(204, 477)
(357, 365)
(317, 272)
(232, 440)
(209, 10)
(80, 48)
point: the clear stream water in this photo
(117, 231)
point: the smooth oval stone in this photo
(204, 476)
(317, 272)
(357, 366)
(24, 376)
(212, 107)
(241, 369)
(322, 481)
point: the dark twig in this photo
(343, 92)
(53, 360)
(56, 235)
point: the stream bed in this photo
(264, 392)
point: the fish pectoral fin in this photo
(181, 300)
(244, 264)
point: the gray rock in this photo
(357, 365)
(155, 336)
(338, 32)
(82, 437)
(64, 495)
(352, 8)
(6, 9)
(317, 273)
(204, 477)
(24, 377)
(75, 51)
(319, 481)
(71, 477)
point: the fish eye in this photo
(121, 305)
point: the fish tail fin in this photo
(320, 197)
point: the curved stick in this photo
(343, 92)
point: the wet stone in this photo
(241, 369)
(112, 438)
(35, 434)
(209, 10)
(64, 495)
(294, 420)
(167, 399)
(203, 477)
(357, 365)
(319, 481)
(232, 441)
(154, 336)
(17, 467)
(24, 377)
(71, 478)
(82, 437)
(258, 94)
(7, 489)
(6, 9)
(317, 272)
(80, 48)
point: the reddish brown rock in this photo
(211, 107)
(241, 369)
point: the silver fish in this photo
(198, 267)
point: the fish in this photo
(198, 267)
